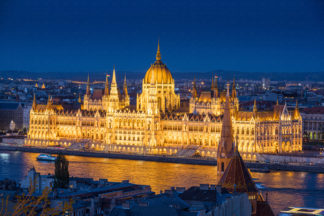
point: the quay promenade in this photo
(283, 166)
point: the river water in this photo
(284, 188)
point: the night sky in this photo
(195, 36)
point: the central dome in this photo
(158, 72)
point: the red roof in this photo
(314, 110)
(237, 177)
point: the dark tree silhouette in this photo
(61, 178)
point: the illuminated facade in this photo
(156, 127)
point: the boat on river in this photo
(46, 157)
(302, 211)
(260, 170)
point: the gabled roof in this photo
(237, 177)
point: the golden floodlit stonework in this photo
(156, 126)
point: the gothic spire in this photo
(88, 86)
(234, 90)
(79, 99)
(107, 86)
(114, 76)
(225, 148)
(255, 108)
(34, 102)
(125, 87)
(49, 102)
(194, 89)
(296, 112)
(215, 87)
(158, 54)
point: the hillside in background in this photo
(300, 76)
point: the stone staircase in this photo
(187, 151)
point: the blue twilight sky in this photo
(204, 35)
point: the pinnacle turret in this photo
(158, 54)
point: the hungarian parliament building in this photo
(158, 126)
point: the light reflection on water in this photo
(284, 188)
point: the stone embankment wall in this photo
(287, 159)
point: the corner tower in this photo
(158, 79)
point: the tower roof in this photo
(125, 86)
(296, 111)
(158, 54)
(234, 89)
(107, 86)
(158, 72)
(114, 76)
(88, 85)
(194, 89)
(237, 177)
(225, 148)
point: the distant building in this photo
(159, 124)
(313, 124)
(16, 112)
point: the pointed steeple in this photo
(79, 99)
(255, 108)
(234, 89)
(158, 54)
(296, 111)
(194, 89)
(225, 147)
(49, 102)
(114, 91)
(106, 86)
(114, 77)
(237, 177)
(227, 90)
(215, 87)
(88, 86)
(34, 102)
(277, 101)
(125, 87)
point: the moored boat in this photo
(260, 170)
(46, 157)
(302, 211)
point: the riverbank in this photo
(165, 159)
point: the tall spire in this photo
(114, 76)
(79, 99)
(215, 87)
(255, 108)
(34, 102)
(49, 102)
(114, 92)
(296, 112)
(234, 90)
(226, 140)
(158, 54)
(107, 86)
(225, 147)
(227, 90)
(194, 89)
(88, 86)
(125, 87)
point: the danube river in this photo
(284, 188)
